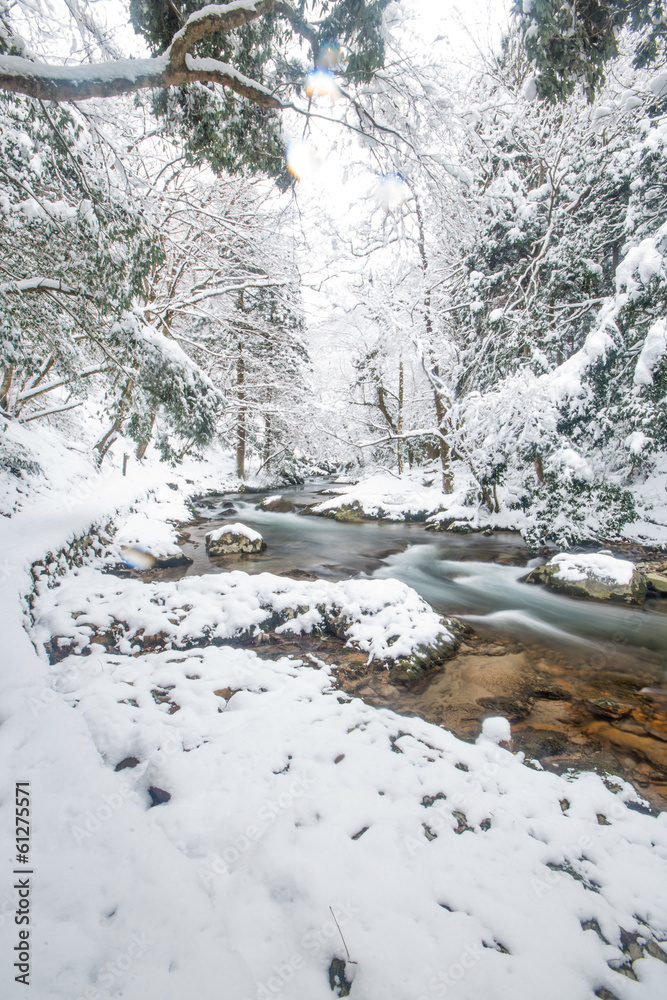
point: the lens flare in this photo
(391, 192)
(302, 160)
(321, 83)
(330, 56)
(136, 558)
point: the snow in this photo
(218, 10)
(451, 869)
(496, 730)
(386, 619)
(148, 535)
(595, 566)
(196, 64)
(636, 442)
(388, 494)
(570, 463)
(658, 84)
(271, 786)
(38, 284)
(652, 353)
(130, 70)
(234, 529)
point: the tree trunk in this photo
(6, 386)
(268, 442)
(107, 439)
(143, 445)
(440, 407)
(399, 418)
(240, 417)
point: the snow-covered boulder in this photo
(597, 575)
(145, 543)
(428, 656)
(385, 619)
(232, 539)
(382, 497)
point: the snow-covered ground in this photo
(416, 496)
(384, 618)
(270, 823)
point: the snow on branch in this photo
(40, 285)
(172, 68)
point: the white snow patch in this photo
(148, 535)
(496, 730)
(596, 566)
(652, 353)
(234, 529)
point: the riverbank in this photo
(577, 685)
(213, 815)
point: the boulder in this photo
(347, 512)
(234, 539)
(461, 527)
(657, 581)
(276, 505)
(426, 659)
(596, 575)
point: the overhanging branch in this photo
(171, 69)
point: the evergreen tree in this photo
(571, 43)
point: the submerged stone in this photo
(276, 505)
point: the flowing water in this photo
(586, 674)
(474, 576)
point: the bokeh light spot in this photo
(321, 83)
(392, 192)
(330, 56)
(302, 159)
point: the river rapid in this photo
(584, 683)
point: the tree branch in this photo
(171, 69)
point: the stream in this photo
(584, 684)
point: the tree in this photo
(570, 42)
(212, 55)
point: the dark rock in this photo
(338, 981)
(170, 562)
(126, 762)
(158, 796)
(276, 505)
(426, 658)
(135, 557)
(605, 708)
(551, 692)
